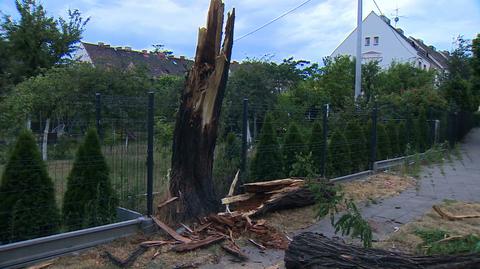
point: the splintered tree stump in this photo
(312, 250)
(292, 199)
(197, 119)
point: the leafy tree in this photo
(267, 162)
(27, 199)
(261, 81)
(358, 145)
(38, 41)
(337, 80)
(90, 199)
(339, 159)
(293, 145)
(456, 85)
(393, 135)
(476, 70)
(384, 148)
(315, 145)
(402, 77)
(370, 79)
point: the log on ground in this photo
(312, 250)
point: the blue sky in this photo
(309, 33)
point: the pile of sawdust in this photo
(405, 239)
(377, 186)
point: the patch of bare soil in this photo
(405, 239)
(370, 189)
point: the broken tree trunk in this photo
(312, 250)
(197, 119)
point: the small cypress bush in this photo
(27, 197)
(402, 138)
(392, 131)
(423, 131)
(90, 199)
(383, 143)
(358, 145)
(339, 156)
(293, 145)
(315, 146)
(267, 162)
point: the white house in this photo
(384, 43)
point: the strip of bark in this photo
(451, 217)
(164, 203)
(198, 244)
(234, 250)
(170, 231)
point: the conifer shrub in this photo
(402, 138)
(315, 146)
(422, 128)
(267, 161)
(338, 155)
(293, 145)
(393, 135)
(27, 197)
(383, 143)
(358, 145)
(90, 199)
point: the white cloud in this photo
(311, 32)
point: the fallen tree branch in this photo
(258, 245)
(129, 260)
(312, 250)
(198, 244)
(170, 231)
(451, 217)
(234, 250)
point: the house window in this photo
(425, 66)
(376, 40)
(367, 41)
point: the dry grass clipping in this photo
(405, 239)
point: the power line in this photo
(375, 2)
(274, 20)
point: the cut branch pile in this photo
(312, 250)
(262, 197)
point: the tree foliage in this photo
(37, 41)
(27, 200)
(384, 147)
(267, 163)
(315, 146)
(393, 135)
(293, 145)
(90, 199)
(339, 158)
(358, 145)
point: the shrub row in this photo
(27, 195)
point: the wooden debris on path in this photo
(451, 217)
(234, 250)
(198, 244)
(123, 263)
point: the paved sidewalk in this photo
(458, 180)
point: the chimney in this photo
(400, 30)
(182, 57)
(128, 48)
(101, 44)
(385, 19)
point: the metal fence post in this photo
(150, 154)
(373, 142)
(323, 160)
(244, 141)
(98, 114)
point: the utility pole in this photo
(358, 61)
